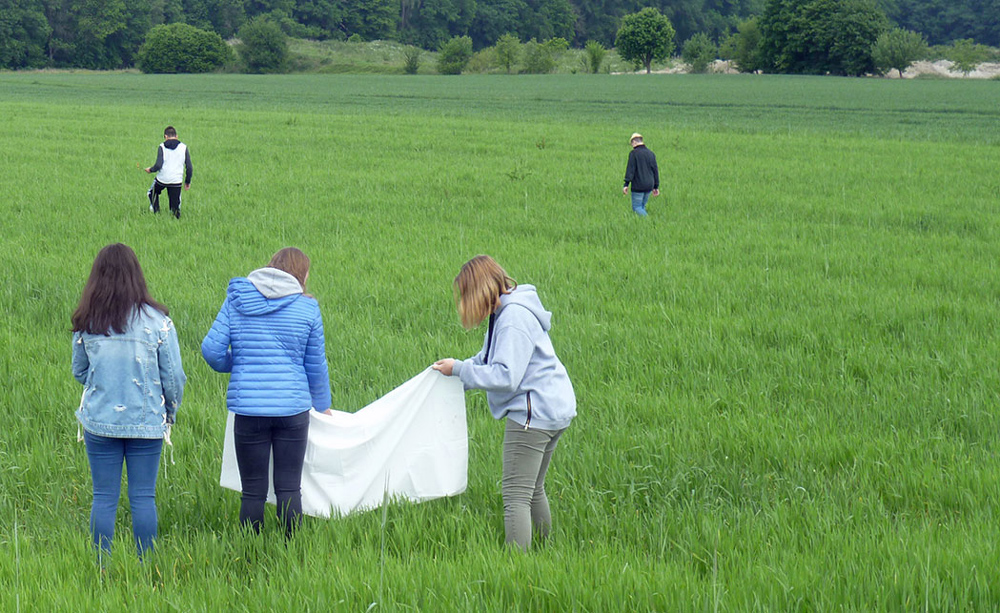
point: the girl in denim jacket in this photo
(126, 355)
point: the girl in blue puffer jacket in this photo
(269, 335)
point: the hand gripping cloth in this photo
(410, 444)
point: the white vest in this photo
(173, 164)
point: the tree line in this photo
(108, 34)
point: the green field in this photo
(787, 376)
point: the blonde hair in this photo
(292, 261)
(477, 287)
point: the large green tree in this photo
(97, 34)
(162, 12)
(644, 37)
(266, 7)
(966, 55)
(91, 23)
(508, 49)
(847, 31)
(222, 16)
(748, 54)
(431, 23)
(371, 19)
(547, 19)
(821, 36)
(122, 46)
(944, 21)
(898, 48)
(24, 32)
(324, 17)
(494, 18)
(599, 19)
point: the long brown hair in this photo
(478, 285)
(294, 262)
(114, 291)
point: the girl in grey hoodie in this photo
(524, 381)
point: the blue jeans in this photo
(142, 461)
(639, 200)
(257, 439)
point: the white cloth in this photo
(412, 443)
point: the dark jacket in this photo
(642, 171)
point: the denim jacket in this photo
(132, 382)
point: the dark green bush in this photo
(454, 55)
(263, 46)
(699, 52)
(537, 58)
(411, 60)
(594, 54)
(179, 47)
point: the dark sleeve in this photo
(188, 169)
(656, 174)
(159, 160)
(630, 168)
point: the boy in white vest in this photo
(173, 165)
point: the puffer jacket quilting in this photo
(272, 344)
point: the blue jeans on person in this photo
(256, 440)
(142, 461)
(639, 200)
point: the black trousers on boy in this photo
(256, 438)
(173, 194)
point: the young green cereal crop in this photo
(786, 375)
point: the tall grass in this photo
(389, 57)
(786, 376)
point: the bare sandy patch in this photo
(940, 68)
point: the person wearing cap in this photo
(642, 173)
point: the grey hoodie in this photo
(274, 282)
(521, 369)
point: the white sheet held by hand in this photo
(416, 435)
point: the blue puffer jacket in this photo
(270, 337)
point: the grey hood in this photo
(527, 297)
(274, 283)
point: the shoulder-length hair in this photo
(294, 262)
(477, 287)
(114, 293)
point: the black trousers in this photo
(173, 194)
(256, 439)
